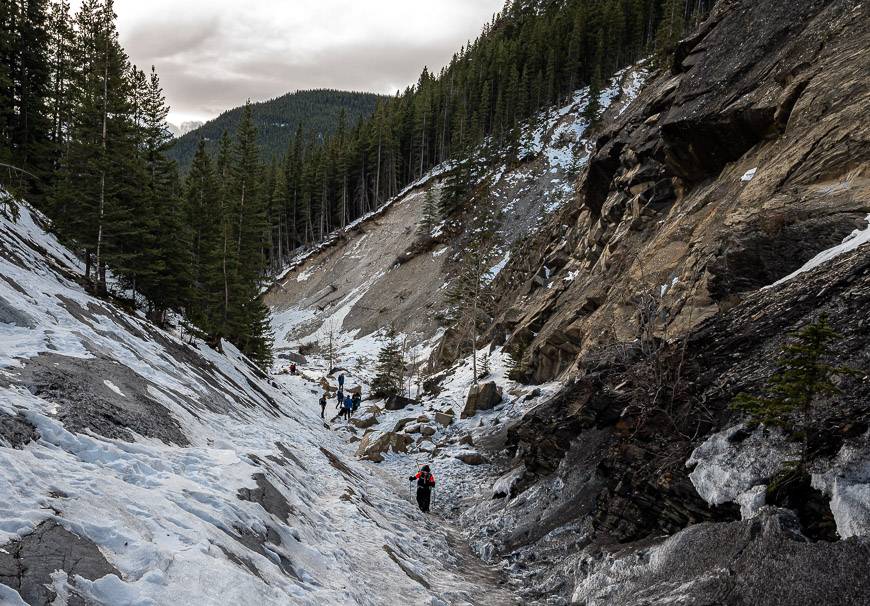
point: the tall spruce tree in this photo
(247, 317)
(390, 367)
(470, 293)
(431, 214)
(203, 217)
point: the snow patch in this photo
(114, 388)
(853, 241)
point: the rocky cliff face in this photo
(667, 289)
(735, 166)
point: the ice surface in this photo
(726, 468)
(170, 518)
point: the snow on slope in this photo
(354, 278)
(237, 496)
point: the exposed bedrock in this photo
(31, 566)
(730, 171)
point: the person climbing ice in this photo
(425, 483)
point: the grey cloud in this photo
(209, 63)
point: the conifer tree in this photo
(672, 26)
(470, 294)
(390, 367)
(457, 189)
(804, 377)
(431, 215)
(247, 317)
(102, 173)
(203, 216)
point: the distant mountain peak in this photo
(186, 127)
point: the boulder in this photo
(535, 393)
(423, 419)
(466, 440)
(443, 419)
(470, 457)
(398, 402)
(413, 428)
(732, 462)
(401, 424)
(427, 430)
(354, 390)
(481, 397)
(365, 421)
(374, 445)
(27, 565)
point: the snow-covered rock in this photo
(705, 562)
(847, 482)
(374, 445)
(752, 501)
(444, 419)
(504, 486)
(731, 462)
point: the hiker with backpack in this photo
(341, 382)
(323, 401)
(425, 484)
(348, 407)
(357, 400)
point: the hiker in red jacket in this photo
(425, 484)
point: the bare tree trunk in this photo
(241, 219)
(226, 278)
(474, 319)
(101, 285)
(378, 175)
(422, 144)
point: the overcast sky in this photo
(213, 54)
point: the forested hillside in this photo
(84, 137)
(311, 114)
(529, 57)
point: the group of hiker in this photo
(346, 403)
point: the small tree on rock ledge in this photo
(803, 378)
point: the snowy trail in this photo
(194, 477)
